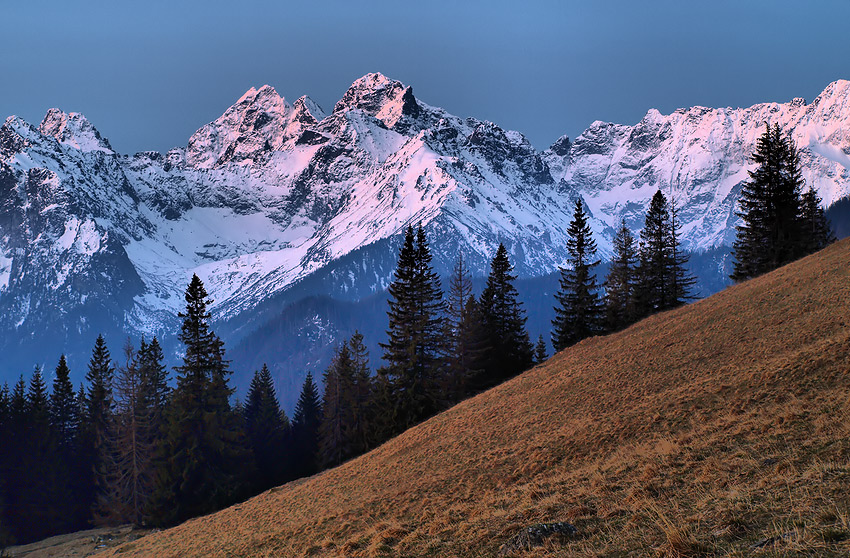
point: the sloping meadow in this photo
(720, 428)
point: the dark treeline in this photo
(781, 223)
(133, 445)
(645, 276)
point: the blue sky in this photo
(148, 74)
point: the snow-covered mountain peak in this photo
(837, 89)
(247, 131)
(833, 102)
(386, 99)
(306, 109)
(561, 146)
(73, 129)
(15, 135)
(368, 93)
(653, 116)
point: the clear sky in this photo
(148, 74)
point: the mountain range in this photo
(275, 202)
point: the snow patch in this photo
(88, 238)
(831, 152)
(64, 242)
(5, 271)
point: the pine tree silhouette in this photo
(579, 311)
(509, 350)
(772, 231)
(305, 429)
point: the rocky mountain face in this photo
(266, 199)
(274, 202)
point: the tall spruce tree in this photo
(306, 421)
(653, 292)
(663, 280)
(540, 353)
(334, 447)
(267, 430)
(816, 230)
(154, 383)
(579, 311)
(463, 335)
(621, 282)
(66, 423)
(509, 349)
(772, 233)
(39, 463)
(358, 428)
(97, 418)
(415, 345)
(6, 534)
(64, 412)
(133, 434)
(15, 448)
(201, 459)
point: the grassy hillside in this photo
(721, 428)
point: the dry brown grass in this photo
(704, 431)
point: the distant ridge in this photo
(274, 201)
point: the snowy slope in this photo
(262, 197)
(269, 193)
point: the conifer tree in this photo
(96, 420)
(621, 282)
(128, 471)
(65, 424)
(201, 459)
(816, 230)
(463, 335)
(6, 538)
(267, 430)
(381, 408)
(15, 475)
(358, 427)
(336, 409)
(653, 292)
(344, 432)
(540, 353)
(663, 280)
(39, 464)
(305, 429)
(415, 344)
(154, 382)
(772, 233)
(579, 311)
(64, 411)
(509, 349)
(682, 281)
(99, 399)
